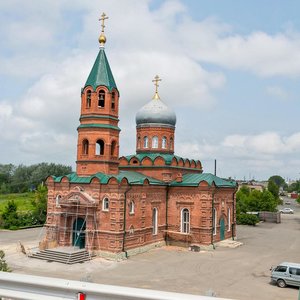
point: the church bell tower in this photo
(98, 132)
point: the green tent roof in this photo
(101, 73)
(195, 179)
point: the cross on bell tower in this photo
(102, 37)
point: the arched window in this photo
(105, 204)
(164, 142)
(85, 147)
(155, 142)
(214, 220)
(113, 148)
(131, 208)
(171, 144)
(139, 143)
(154, 221)
(229, 220)
(185, 221)
(145, 142)
(99, 147)
(101, 98)
(57, 200)
(113, 100)
(88, 99)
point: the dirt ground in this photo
(240, 273)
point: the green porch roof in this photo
(132, 177)
(101, 73)
(195, 179)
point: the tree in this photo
(294, 187)
(3, 265)
(274, 189)
(40, 203)
(10, 218)
(23, 178)
(278, 180)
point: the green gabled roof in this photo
(195, 179)
(167, 157)
(101, 73)
(132, 177)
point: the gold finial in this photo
(156, 80)
(102, 38)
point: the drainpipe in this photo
(167, 225)
(212, 214)
(124, 220)
(233, 214)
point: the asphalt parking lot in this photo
(240, 273)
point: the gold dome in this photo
(102, 39)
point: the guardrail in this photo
(28, 287)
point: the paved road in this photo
(241, 273)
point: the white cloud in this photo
(41, 123)
(277, 92)
(263, 54)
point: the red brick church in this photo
(118, 206)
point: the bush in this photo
(10, 216)
(298, 199)
(247, 219)
(3, 265)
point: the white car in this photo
(286, 210)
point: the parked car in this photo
(286, 274)
(287, 202)
(287, 210)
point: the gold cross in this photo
(103, 18)
(156, 80)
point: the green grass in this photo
(23, 201)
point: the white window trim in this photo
(103, 204)
(131, 208)
(155, 225)
(215, 222)
(145, 142)
(189, 221)
(155, 142)
(229, 220)
(164, 143)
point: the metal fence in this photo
(27, 287)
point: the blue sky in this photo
(230, 71)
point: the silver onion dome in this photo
(155, 112)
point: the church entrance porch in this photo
(78, 235)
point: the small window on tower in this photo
(100, 147)
(145, 142)
(139, 143)
(155, 142)
(164, 142)
(113, 148)
(88, 99)
(85, 147)
(101, 98)
(171, 144)
(113, 100)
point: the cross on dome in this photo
(156, 80)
